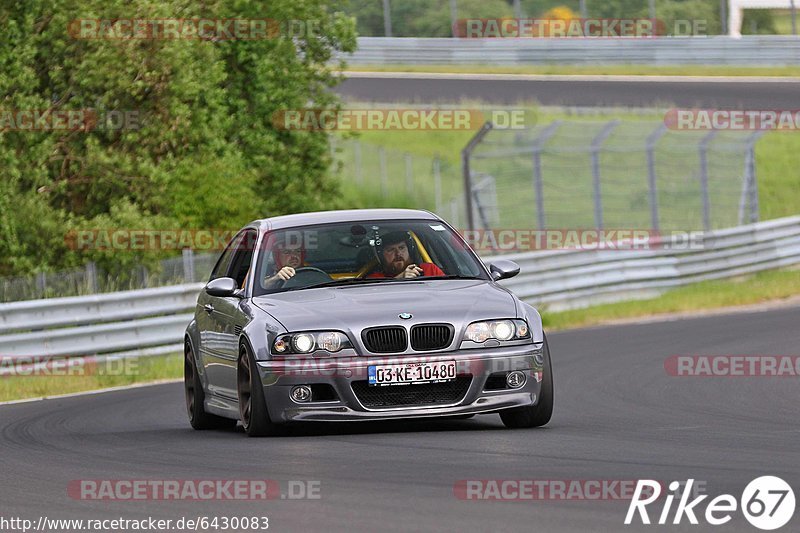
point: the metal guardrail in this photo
(153, 320)
(579, 278)
(705, 50)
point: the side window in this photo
(224, 261)
(243, 258)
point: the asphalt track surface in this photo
(618, 415)
(625, 91)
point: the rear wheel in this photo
(252, 406)
(196, 396)
(530, 416)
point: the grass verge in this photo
(762, 287)
(588, 70)
(91, 376)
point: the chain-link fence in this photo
(568, 174)
(636, 174)
(188, 268)
(377, 176)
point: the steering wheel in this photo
(306, 276)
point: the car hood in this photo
(353, 308)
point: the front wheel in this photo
(252, 407)
(196, 397)
(530, 416)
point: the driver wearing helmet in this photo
(394, 254)
(288, 256)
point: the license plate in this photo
(411, 373)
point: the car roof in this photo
(346, 215)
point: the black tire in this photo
(196, 396)
(531, 416)
(252, 406)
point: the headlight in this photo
(304, 343)
(502, 330)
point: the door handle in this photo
(209, 308)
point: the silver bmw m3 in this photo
(361, 315)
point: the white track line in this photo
(92, 392)
(569, 77)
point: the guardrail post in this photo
(704, 179)
(91, 277)
(597, 143)
(409, 173)
(465, 155)
(384, 175)
(538, 181)
(437, 183)
(188, 265)
(357, 158)
(652, 140)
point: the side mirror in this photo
(222, 287)
(503, 269)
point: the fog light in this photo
(301, 394)
(515, 379)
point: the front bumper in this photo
(279, 377)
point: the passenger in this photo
(394, 253)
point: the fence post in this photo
(357, 157)
(41, 284)
(387, 19)
(437, 182)
(750, 175)
(384, 175)
(597, 143)
(409, 174)
(538, 181)
(704, 179)
(453, 16)
(91, 277)
(454, 213)
(465, 155)
(652, 140)
(188, 265)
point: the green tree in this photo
(205, 151)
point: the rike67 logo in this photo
(767, 503)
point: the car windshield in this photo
(364, 252)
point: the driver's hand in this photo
(411, 271)
(285, 273)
